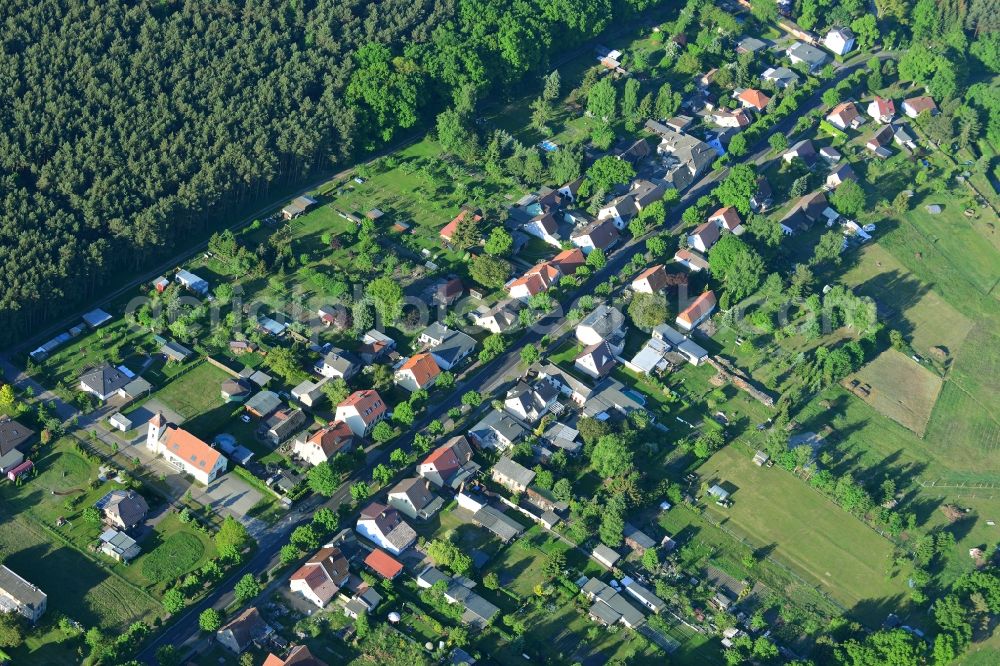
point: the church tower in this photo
(156, 426)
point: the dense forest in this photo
(129, 126)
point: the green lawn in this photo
(195, 396)
(171, 551)
(811, 534)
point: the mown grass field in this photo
(171, 551)
(902, 389)
(806, 531)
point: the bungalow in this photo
(830, 154)
(14, 438)
(914, 106)
(780, 77)
(118, 545)
(610, 399)
(298, 206)
(605, 323)
(375, 345)
(448, 292)
(636, 539)
(610, 607)
(321, 577)
(703, 237)
(562, 436)
(839, 174)
(334, 315)
(183, 451)
(235, 389)
(691, 260)
(882, 110)
(414, 498)
(104, 381)
(807, 210)
(450, 464)
(263, 404)
(122, 509)
(448, 231)
(728, 218)
(497, 430)
(322, 445)
(726, 118)
(383, 564)
(643, 595)
(243, 631)
(310, 393)
(418, 372)
(839, 40)
(544, 275)
(19, 596)
(903, 139)
(531, 403)
(697, 312)
(750, 45)
(191, 282)
(283, 424)
(753, 99)
(687, 348)
(802, 150)
(298, 656)
(812, 57)
(651, 358)
(845, 115)
(761, 199)
(600, 234)
(490, 518)
(500, 318)
(338, 364)
(567, 384)
(596, 361)
(384, 526)
(175, 351)
(512, 475)
(361, 411)
(650, 281)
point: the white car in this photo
(869, 228)
(359, 180)
(245, 418)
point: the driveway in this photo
(231, 494)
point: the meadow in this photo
(901, 389)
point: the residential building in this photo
(263, 404)
(512, 475)
(530, 403)
(450, 464)
(298, 206)
(879, 141)
(651, 358)
(361, 411)
(14, 438)
(697, 312)
(605, 323)
(728, 219)
(192, 282)
(619, 210)
(761, 200)
(320, 579)
(298, 656)
(839, 174)
(447, 347)
(310, 393)
(611, 399)
(546, 227)
(336, 316)
(882, 110)
(597, 360)
(418, 372)
(19, 596)
(609, 606)
(244, 631)
(448, 291)
(375, 345)
(684, 156)
(500, 318)
(386, 528)
(322, 445)
(781, 77)
(414, 498)
(812, 57)
(235, 389)
(693, 353)
(807, 210)
(753, 99)
(802, 150)
(903, 139)
(542, 276)
(118, 545)
(283, 424)
(183, 451)
(750, 45)
(490, 518)
(651, 281)
(726, 118)
(601, 234)
(122, 509)
(643, 595)
(449, 229)
(839, 40)
(914, 106)
(703, 237)
(362, 603)
(845, 115)
(338, 364)
(497, 430)
(104, 381)
(691, 260)
(636, 539)
(830, 154)
(383, 564)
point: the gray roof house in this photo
(13, 441)
(685, 156)
(605, 556)
(454, 347)
(243, 631)
(503, 526)
(636, 539)
(530, 403)
(338, 364)
(414, 498)
(497, 430)
(813, 57)
(19, 596)
(597, 360)
(283, 424)
(781, 77)
(123, 509)
(512, 475)
(119, 545)
(643, 595)
(263, 404)
(605, 323)
(610, 607)
(750, 45)
(103, 381)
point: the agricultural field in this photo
(901, 389)
(806, 531)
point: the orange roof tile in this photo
(383, 563)
(423, 367)
(699, 308)
(190, 449)
(755, 98)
